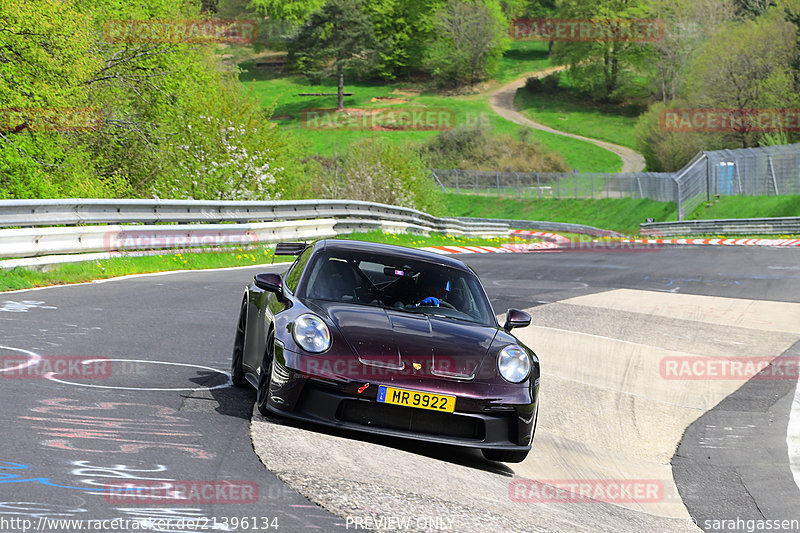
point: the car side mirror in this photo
(516, 319)
(269, 282)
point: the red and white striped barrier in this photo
(558, 243)
(719, 242)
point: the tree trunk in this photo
(340, 101)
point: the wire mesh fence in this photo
(556, 185)
(763, 171)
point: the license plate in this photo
(412, 398)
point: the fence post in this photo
(558, 187)
(772, 173)
(538, 185)
(436, 178)
(592, 177)
(678, 198)
(497, 177)
(519, 191)
(476, 184)
(458, 190)
(575, 181)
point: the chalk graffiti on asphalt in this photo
(89, 428)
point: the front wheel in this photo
(505, 456)
(237, 372)
(262, 397)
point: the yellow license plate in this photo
(412, 398)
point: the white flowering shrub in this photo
(217, 159)
(374, 170)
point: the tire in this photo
(237, 372)
(505, 456)
(262, 397)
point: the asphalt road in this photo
(161, 408)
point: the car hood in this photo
(412, 343)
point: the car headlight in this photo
(514, 364)
(311, 333)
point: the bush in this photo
(375, 170)
(668, 151)
(472, 148)
(546, 85)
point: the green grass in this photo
(419, 241)
(282, 90)
(521, 58)
(565, 112)
(623, 215)
(748, 207)
(24, 278)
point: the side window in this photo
(293, 276)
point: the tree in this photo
(293, 11)
(470, 38)
(403, 27)
(601, 67)
(746, 65)
(687, 24)
(335, 39)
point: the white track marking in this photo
(34, 359)
(150, 274)
(49, 376)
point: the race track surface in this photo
(603, 325)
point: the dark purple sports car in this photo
(388, 340)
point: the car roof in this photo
(390, 250)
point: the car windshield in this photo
(400, 284)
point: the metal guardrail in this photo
(91, 211)
(548, 226)
(115, 226)
(730, 226)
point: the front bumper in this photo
(500, 420)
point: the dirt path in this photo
(502, 102)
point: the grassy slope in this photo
(749, 207)
(622, 215)
(567, 113)
(22, 278)
(467, 109)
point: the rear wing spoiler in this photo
(289, 248)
